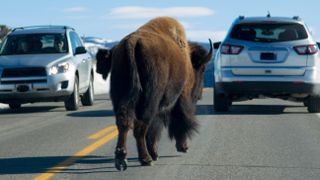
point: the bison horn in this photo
(209, 55)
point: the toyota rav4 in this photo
(45, 63)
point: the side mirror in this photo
(216, 45)
(80, 50)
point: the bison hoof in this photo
(121, 164)
(146, 162)
(183, 149)
(154, 155)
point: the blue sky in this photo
(113, 19)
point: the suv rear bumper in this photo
(267, 88)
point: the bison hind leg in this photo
(124, 121)
(140, 131)
(154, 134)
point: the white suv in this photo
(267, 56)
(45, 63)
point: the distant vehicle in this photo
(267, 56)
(45, 63)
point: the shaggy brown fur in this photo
(156, 79)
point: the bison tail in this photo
(182, 123)
(132, 50)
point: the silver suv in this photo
(267, 56)
(45, 63)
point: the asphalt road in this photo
(259, 139)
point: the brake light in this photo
(231, 49)
(306, 49)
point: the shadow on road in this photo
(31, 109)
(97, 113)
(246, 110)
(38, 165)
(209, 110)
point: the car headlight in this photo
(59, 68)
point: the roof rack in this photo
(296, 18)
(268, 15)
(43, 26)
(241, 17)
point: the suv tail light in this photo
(306, 49)
(231, 49)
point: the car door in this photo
(82, 61)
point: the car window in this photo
(269, 32)
(75, 41)
(34, 44)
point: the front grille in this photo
(23, 72)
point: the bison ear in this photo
(103, 62)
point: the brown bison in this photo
(156, 80)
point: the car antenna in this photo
(268, 15)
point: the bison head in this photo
(103, 62)
(199, 57)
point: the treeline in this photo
(4, 30)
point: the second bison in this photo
(156, 80)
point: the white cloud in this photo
(137, 12)
(203, 35)
(76, 9)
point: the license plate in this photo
(23, 87)
(268, 56)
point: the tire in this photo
(88, 97)
(313, 105)
(72, 103)
(14, 106)
(221, 102)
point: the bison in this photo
(156, 80)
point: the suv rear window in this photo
(269, 32)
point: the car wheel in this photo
(221, 102)
(313, 104)
(88, 97)
(14, 106)
(72, 103)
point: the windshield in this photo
(34, 44)
(269, 32)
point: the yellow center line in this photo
(102, 132)
(84, 152)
